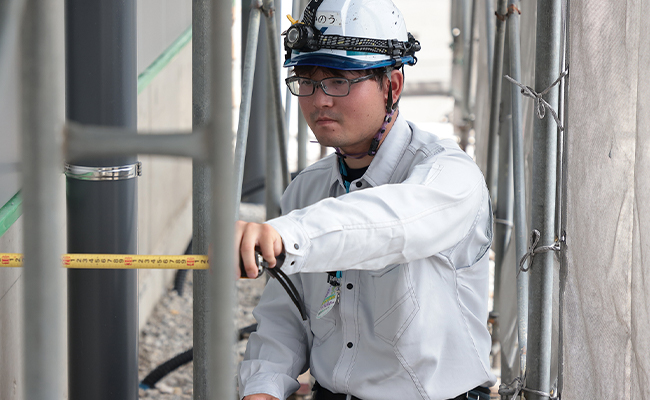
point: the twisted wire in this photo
(541, 105)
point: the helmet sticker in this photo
(327, 18)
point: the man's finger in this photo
(249, 241)
(268, 252)
(239, 232)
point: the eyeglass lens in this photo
(332, 86)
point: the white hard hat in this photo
(350, 35)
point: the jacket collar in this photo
(386, 160)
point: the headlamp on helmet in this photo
(300, 37)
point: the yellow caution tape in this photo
(117, 261)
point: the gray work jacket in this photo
(411, 239)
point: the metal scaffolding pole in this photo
(495, 102)
(221, 331)
(540, 309)
(273, 192)
(565, 118)
(11, 15)
(200, 193)
(42, 120)
(277, 174)
(468, 65)
(489, 31)
(503, 207)
(248, 77)
(302, 142)
(504, 210)
(469, 14)
(255, 166)
(519, 184)
(102, 214)
(274, 70)
(298, 6)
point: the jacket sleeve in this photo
(279, 351)
(434, 210)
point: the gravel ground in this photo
(168, 332)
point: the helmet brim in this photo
(339, 62)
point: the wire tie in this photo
(517, 386)
(533, 249)
(513, 9)
(541, 105)
(504, 222)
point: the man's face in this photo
(348, 122)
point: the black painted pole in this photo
(101, 89)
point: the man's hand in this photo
(260, 396)
(250, 236)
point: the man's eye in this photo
(304, 82)
(339, 82)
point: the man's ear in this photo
(396, 83)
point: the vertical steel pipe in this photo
(302, 123)
(495, 102)
(221, 288)
(565, 118)
(254, 164)
(302, 141)
(42, 71)
(489, 31)
(540, 308)
(102, 215)
(248, 77)
(288, 102)
(273, 192)
(504, 209)
(274, 70)
(456, 85)
(468, 65)
(469, 13)
(11, 15)
(519, 184)
(201, 194)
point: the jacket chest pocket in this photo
(394, 302)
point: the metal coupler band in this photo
(117, 173)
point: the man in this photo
(386, 241)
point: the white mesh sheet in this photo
(606, 323)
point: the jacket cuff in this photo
(268, 383)
(296, 243)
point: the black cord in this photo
(298, 302)
(162, 370)
(278, 274)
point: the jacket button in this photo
(350, 286)
(359, 184)
(295, 246)
(350, 345)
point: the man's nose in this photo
(320, 98)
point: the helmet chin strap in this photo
(376, 140)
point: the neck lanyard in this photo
(334, 277)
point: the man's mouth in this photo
(324, 120)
